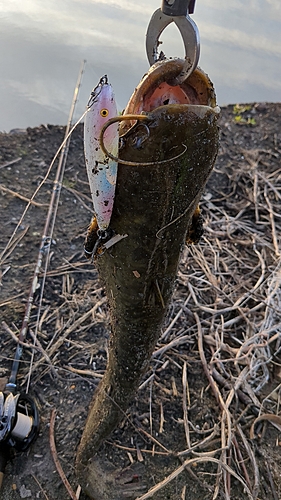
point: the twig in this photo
(255, 489)
(174, 343)
(89, 373)
(269, 417)
(273, 226)
(225, 411)
(184, 404)
(189, 462)
(150, 452)
(206, 441)
(162, 419)
(68, 331)
(41, 489)
(12, 245)
(8, 163)
(155, 441)
(244, 398)
(212, 383)
(37, 346)
(241, 461)
(273, 489)
(10, 300)
(24, 198)
(55, 457)
(175, 319)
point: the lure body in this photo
(101, 170)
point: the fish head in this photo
(158, 88)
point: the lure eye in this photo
(104, 112)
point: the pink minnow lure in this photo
(102, 171)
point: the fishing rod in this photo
(19, 416)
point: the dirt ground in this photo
(217, 365)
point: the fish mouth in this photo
(157, 89)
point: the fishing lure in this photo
(101, 170)
(101, 138)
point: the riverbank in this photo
(229, 282)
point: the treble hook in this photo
(175, 11)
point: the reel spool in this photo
(19, 420)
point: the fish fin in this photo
(195, 230)
(91, 238)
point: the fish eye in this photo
(104, 112)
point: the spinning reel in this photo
(19, 425)
(19, 421)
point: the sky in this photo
(42, 45)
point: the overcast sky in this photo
(42, 45)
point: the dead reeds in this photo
(225, 317)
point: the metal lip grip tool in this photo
(176, 11)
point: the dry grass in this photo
(226, 309)
(229, 299)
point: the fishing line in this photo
(125, 162)
(177, 218)
(41, 183)
(52, 212)
(19, 413)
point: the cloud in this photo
(234, 37)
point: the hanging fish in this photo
(101, 170)
(164, 163)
